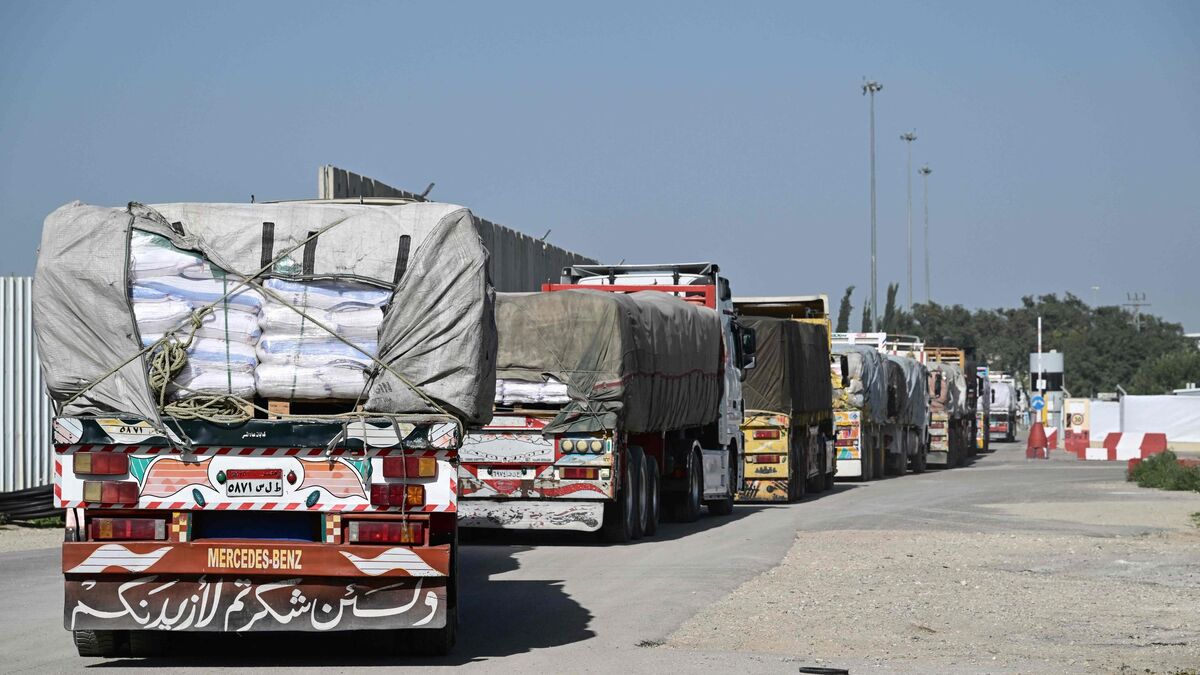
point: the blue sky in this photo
(1064, 138)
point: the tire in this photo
(880, 458)
(812, 485)
(653, 503)
(829, 464)
(619, 514)
(798, 473)
(686, 507)
(866, 460)
(637, 461)
(103, 643)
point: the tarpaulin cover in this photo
(791, 367)
(438, 332)
(868, 385)
(897, 388)
(1003, 397)
(953, 396)
(915, 410)
(639, 362)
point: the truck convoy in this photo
(617, 388)
(788, 427)
(1003, 416)
(860, 408)
(257, 414)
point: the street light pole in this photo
(925, 171)
(908, 138)
(870, 87)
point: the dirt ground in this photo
(18, 538)
(1106, 583)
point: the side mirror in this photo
(723, 288)
(749, 341)
(845, 371)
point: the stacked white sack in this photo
(167, 286)
(510, 392)
(300, 359)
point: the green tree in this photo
(866, 318)
(1170, 371)
(889, 309)
(844, 310)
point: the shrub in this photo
(1163, 470)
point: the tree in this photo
(844, 309)
(889, 309)
(1162, 375)
(866, 318)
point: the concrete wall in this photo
(518, 262)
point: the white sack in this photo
(291, 382)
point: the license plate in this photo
(254, 483)
(506, 473)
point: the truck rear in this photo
(788, 428)
(616, 395)
(1002, 421)
(860, 408)
(256, 435)
(950, 439)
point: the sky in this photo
(1064, 138)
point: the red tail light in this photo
(127, 528)
(101, 463)
(579, 473)
(409, 467)
(385, 532)
(110, 492)
(397, 494)
(766, 434)
(764, 459)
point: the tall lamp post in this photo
(908, 138)
(925, 171)
(870, 87)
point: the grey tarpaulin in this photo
(868, 387)
(953, 396)
(791, 367)
(640, 362)
(438, 333)
(916, 404)
(897, 388)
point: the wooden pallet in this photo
(279, 408)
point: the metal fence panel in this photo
(25, 456)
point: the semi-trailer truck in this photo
(788, 427)
(197, 496)
(639, 371)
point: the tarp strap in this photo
(268, 244)
(310, 254)
(401, 258)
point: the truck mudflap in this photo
(240, 604)
(579, 516)
(763, 490)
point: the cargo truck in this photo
(860, 407)
(950, 419)
(788, 428)
(1002, 421)
(620, 389)
(193, 507)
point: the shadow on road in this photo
(497, 618)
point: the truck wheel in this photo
(686, 506)
(105, 643)
(619, 514)
(815, 483)
(880, 458)
(637, 462)
(652, 497)
(798, 473)
(866, 460)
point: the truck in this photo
(788, 424)
(951, 419)
(619, 396)
(1002, 421)
(983, 409)
(197, 497)
(860, 407)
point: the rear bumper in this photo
(848, 468)
(937, 457)
(514, 514)
(240, 585)
(763, 490)
(238, 604)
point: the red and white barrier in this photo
(1125, 446)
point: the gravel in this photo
(1099, 584)
(18, 538)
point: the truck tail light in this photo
(764, 459)
(766, 434)
(110, 491)
(127, 528)
(385, 532)
(101, 463)
(397, 494)
(409, 467)
(579, 473)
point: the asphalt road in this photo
(558, 603)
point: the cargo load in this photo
(388, 305)
(639, 362)
(951, 396)
(867, 387)
(790, 369)
(915, 410)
